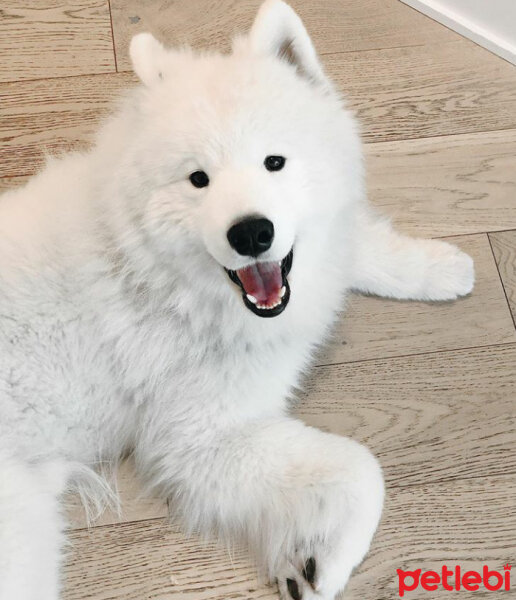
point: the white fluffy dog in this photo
(135, 282)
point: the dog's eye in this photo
(274, 163)
(199, 179)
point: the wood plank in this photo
(154, 560)
(335, 26)
(422, 91)
(135, 505)
(447, 185)
(504, 248)
(439, 186)
(404, 78)
(52, 116)
(51, 38)
(424, 416)
(428, 418)
(10, 183)
(378, 328)
(470, 522)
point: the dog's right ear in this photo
(278, 31)
(148, 58)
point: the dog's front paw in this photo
(450, 272)
(321, 576)
(298, 583)
(330, 536)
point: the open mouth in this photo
(264, 285)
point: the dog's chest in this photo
(168, 360)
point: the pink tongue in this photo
(263, 281)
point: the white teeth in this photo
(252, 299)
(268, 307)
(282, 291)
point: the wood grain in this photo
(471, 522)
(504, 248)
(135, 504)
(152, 560)
(446, 185)
(423, 99)
(9, 183)
(52, 38)
(377, 328)
(468, 523)
(434, 89)
(335, 26)
(424, 81)
(52, 116)
(430, 388)
(428, 418)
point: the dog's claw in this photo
(309, 570)
(293, 589)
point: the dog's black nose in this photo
(251, 236)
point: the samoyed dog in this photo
(164, 293)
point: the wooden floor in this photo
(430, 388)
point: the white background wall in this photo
(490, 23)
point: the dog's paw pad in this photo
(309, 570)
(293, 589)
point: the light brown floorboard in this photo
(335, 26)
(52, 38)
(440, 84)
(60, 114)
(468, 523)
(373, 327)
(10, 183)
(446, 185)
(135, 505)
(52, 116)
(434, 187)
(471, 522)
(428, 418)
(448, 89)
(435, 89)
(504, 248)
(152, 560)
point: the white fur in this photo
(120, 330)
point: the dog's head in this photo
(243, 155)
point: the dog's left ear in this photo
(148, 57)
(278, 31)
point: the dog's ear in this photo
(278, 31)
(148, 58)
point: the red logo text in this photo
(454, 579)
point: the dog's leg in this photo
(30, 529)
(396, 266)
(307, 502)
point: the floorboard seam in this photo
(416, 354)
(112, 34)
(121, 524)
(513, 317)
(452, 235)
(63, 77)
